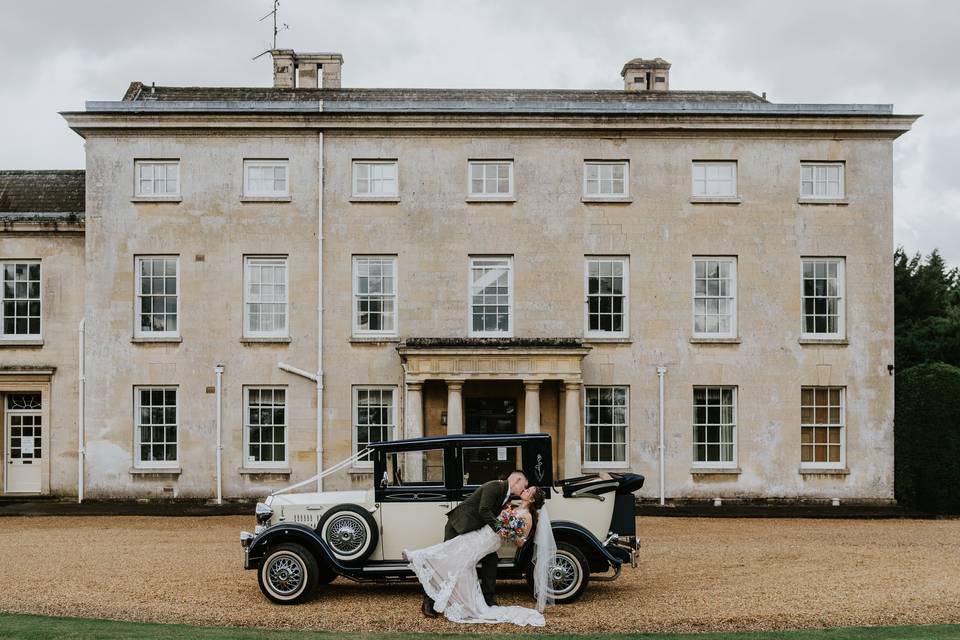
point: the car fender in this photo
(292, 532)
(587, 542)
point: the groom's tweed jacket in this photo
(482, 507)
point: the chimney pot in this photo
(292, 70)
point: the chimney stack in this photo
(292, 70)
(646, 75)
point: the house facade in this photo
(459, 261)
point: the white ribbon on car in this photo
(337, 467)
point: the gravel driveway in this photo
(695, 574)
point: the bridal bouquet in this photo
(509, 525)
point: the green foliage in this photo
(927, 438)
(927, 310)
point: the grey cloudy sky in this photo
(54, 55)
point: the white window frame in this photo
(490, 334)
(842, 426)
(273, 464)
(375, 163)
(355, 413)
(20, 336)
(248, 191)
(153, 464)
(482, 195)
(248, 261)
(140, 165)
(625, 332)
(593, 464)
(606, 196)
(706, 165)
(814, 166)
(729, 464)
(354, 312)
(732, 333)
(840, 334)
(137, 331)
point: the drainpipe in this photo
(219, 371)
(660, 373)
(319, 378)
(81, 450)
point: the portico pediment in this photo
(531, 359)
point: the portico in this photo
(489, 384)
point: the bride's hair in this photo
(539, 498)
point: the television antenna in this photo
(283, 26)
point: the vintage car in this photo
(304, 540)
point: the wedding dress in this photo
(448, 573)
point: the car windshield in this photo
(414, 468)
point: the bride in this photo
(448, 571)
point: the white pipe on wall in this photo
(660, 373)
(219, 371)
(81, 450)
(319, 448)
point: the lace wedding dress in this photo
(448, 573)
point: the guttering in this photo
(319, 448)
(219, 372)
(660, 373)
(81, 450)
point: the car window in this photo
(414, 468)
(482, 464)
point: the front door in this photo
(489, 415)
(24, 434)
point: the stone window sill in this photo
(156, 199)
(715, 340)
(369, 199)
(609, 200)
(142, 340)
(834, 201)
(265, 199)
(155, 471)
(588, 469)
(265, 471)
(500, 199)
(276, 340)
(602, 340)
(715, 200)
(813, 471)
(360, 471)
(21, 343)
(840, 342)
(715, 471)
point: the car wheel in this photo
(350, 532)
(289, 574)
(569, 574)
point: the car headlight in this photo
(264, 513)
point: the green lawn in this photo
(40, 627)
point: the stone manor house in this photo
(246, 285)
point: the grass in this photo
(28, 627)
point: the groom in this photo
(481, 509)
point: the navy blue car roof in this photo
(463, 438)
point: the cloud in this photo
(58, 54)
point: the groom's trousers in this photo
(487, 572)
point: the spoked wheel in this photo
(569, 574)
(350, 531)
(289, 574)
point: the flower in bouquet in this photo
(509, 525)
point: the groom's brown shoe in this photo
(427, 608)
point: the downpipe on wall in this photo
(81, 450)
(319, 377)
(219, 371)
(660, 373)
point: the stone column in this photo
(454, 407)
(413, 428)
(572, 430)
(531, 406)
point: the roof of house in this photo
(37, 195)
(139, 92)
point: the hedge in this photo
(927, 438)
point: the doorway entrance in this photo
(23, 435)
(490, 415)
